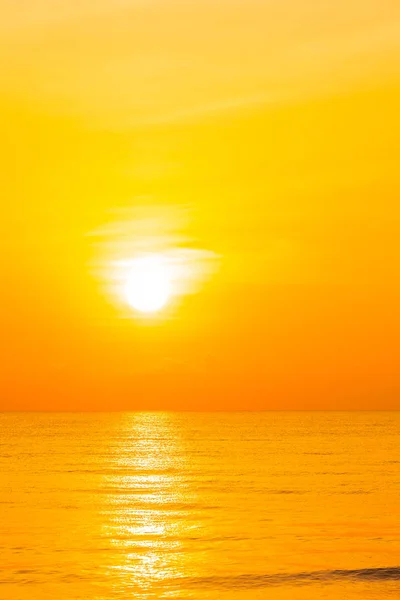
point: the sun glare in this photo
(148, 285)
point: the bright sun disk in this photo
(148, 285)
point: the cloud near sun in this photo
(145, 263)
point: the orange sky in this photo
(269, 131)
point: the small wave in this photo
(320, 453)
(249, 581)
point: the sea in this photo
(240, 505)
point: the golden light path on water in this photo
(150, 507)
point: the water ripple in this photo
(248, 581)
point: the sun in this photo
(148, 284)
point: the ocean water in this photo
(180, 505)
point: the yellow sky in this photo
(269, 131)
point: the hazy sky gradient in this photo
(273, 126)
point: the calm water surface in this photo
(175, 505)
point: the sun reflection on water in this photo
(147, 521)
